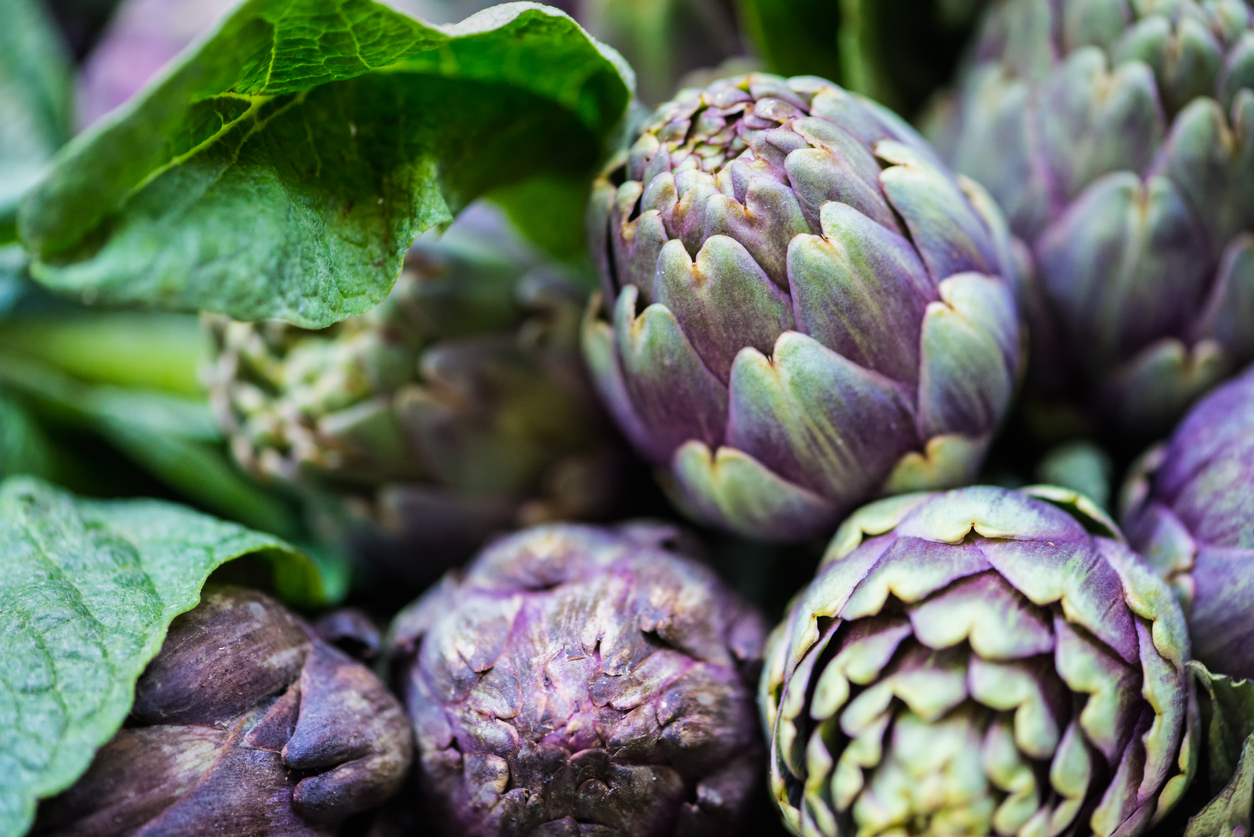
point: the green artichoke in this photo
(806, 308)
(1119, 139)
(980, 662)
(455, 408)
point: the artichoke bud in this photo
(465, 382)
(1188, 507)
(983, 662)
(1119, 140)
(245, 723)
(805, 308)
(578, 680)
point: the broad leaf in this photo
(284, 166)
(87, 592)
(34, 102)
(1230, 755)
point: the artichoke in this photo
(575, 680)
(1119, 139)
(1188, 507)
(979, 662)
(807, 309)
(245, 723)
(457, 407)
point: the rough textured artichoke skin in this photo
(1188, 507)
(1118, 136)
(245, 723)
(583, 681)
(806, 309)
(977, 663)
(457, 407)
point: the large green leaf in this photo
(87, 592)
(34, 102)
(283, 167)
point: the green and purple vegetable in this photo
(806, 309)
(980, 661)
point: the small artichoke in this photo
(980, 662)
(807, 309)
(245, 723)
(1188, 507)
(457, 407)
(575, 680)
(1119, 139)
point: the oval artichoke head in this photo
(245, 723)
(1119, 139)
(806, 308)
(577, 680)
(457, 407)
(1188, 507)
(980, 662)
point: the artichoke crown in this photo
(808, 309)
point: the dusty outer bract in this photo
(583, 681)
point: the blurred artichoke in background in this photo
(577, 681)
(1119, 139)
(456, 408)
(980, 662)
(806, 309)
(1188, 507)
(244, 724)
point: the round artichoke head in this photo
(979, 662)
(245, 723)
(457, 407)
(806, 308)
(1188, 507)
(1119, 139)
(575, 680)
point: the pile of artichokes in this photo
(837, 347)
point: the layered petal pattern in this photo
(577, 680)
(1188, 507)
(1119, 139)
(805, 309)
(456, 408)
(245, 723)
(979, 662)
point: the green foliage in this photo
(34, 102)
(87, 591)
(895, 51)
(284, 167)
(1230, 751)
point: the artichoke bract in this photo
(1119, 139)
(806, 308)
(1188, 507)
(245, 723)
(576, 680)
(457, 407)
(979, 662)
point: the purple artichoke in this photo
(245, 723)
(1119, 139)
(1188, 507)
(983, 662)
(807, 309)
(583, 681)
